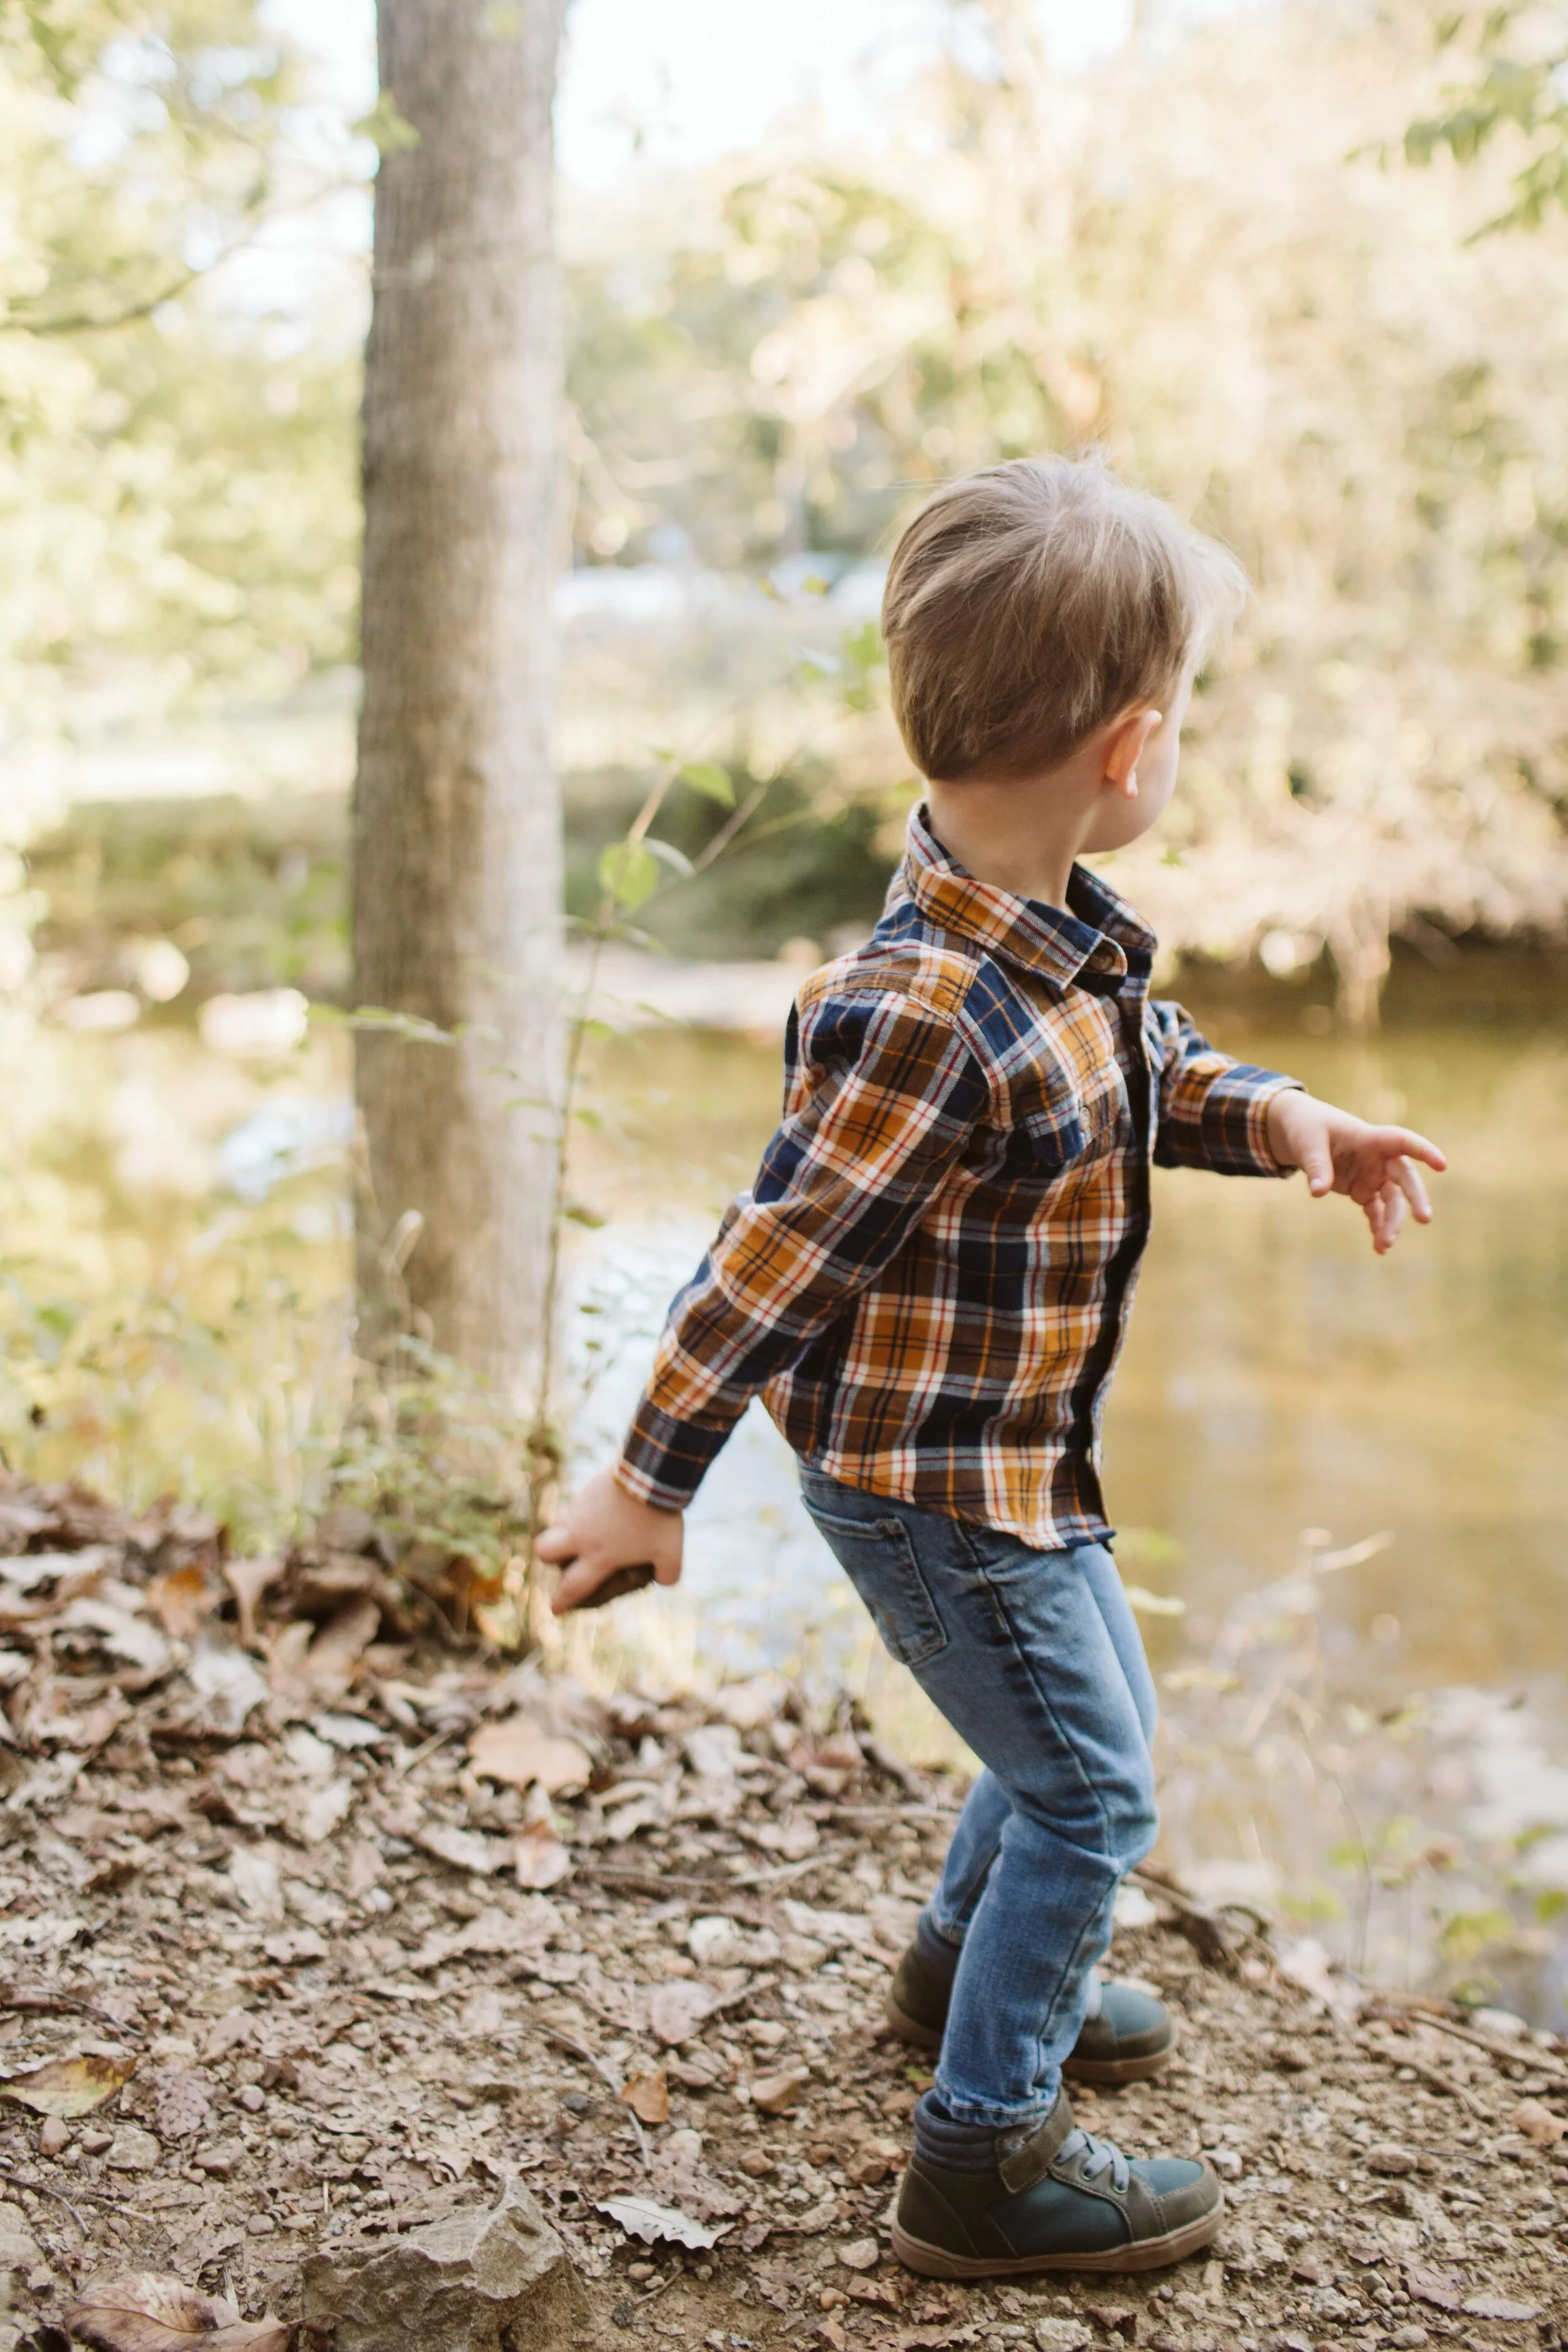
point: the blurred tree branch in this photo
(1519, 84)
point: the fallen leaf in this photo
(295, 1945)
(713, 1750)
(464, 1849)
(639, 2217)
(181, 1601)
(648, 2095)
(519, 1752)
(1538, 2123)
(332, 1657)
(181, 2102)
(542, 1861)
(248, 1580)
(71, 2086)
(122, 1633)
(677, 2008)
(1432, 2287)
(322, 1808)
(879, 2293)
(347, 1730)
(1500, 2307)
(227, 1684)
(145, 2311)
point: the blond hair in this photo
(1028, 605)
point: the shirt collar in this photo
(1096, 939)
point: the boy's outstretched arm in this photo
(1373, 1166)
(886, 1093)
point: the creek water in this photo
(1278, 1376)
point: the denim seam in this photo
(1072, 1969)
(999, 1610)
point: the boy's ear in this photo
(1124, 748)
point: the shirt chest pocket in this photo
(1062, 1127)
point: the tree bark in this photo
(457, 849)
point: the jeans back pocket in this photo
(878, 1557)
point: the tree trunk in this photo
(457, 850)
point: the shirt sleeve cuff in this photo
(1235, 1121)
(664, 1461)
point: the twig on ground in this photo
(1204, 1929)
(63, 2004)
(913, 1784)
(778, 1873)
(42, 2189)
(1432, 2076)
(1508, 2052)
(643, 1882)
(425, 1748)
(579, 2050)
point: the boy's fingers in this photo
(667, 1571)
(1411, 1188)
(555, 1545)
(1416, 1147)
(1317, 1165)
(1393, 1213)
(574, 1587)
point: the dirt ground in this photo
(382, 1922)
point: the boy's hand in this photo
(604, 1528)
(1374, 1165)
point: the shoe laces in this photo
(1096, 2156)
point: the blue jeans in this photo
(1035, 1659)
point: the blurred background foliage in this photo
(1260, 262)
(1215, 256)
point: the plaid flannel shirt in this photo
(930, 1280)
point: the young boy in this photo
(929, 1285)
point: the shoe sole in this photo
(1139, 2255)
(1075, 2070)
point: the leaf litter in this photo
(350, 1976)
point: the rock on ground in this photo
(495, 2279)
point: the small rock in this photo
(757, 2165)
(53, 2135)
(860, 2254)
(1116, 2320)
(222, 2160)
(1500, 2307)
(1062, 2334)
(1537, 2122)
(1391, 2160)
(486, 2278)
(1292, 2057)
(94, 2142)
(253, 2098)
(131, 2149)
(1225, 2162)
(18, 2249)
(775, 2094)
(1408, 2340)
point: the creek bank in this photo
(317, 1931)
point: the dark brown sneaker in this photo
(1055, 2200)
(1131, 2038)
